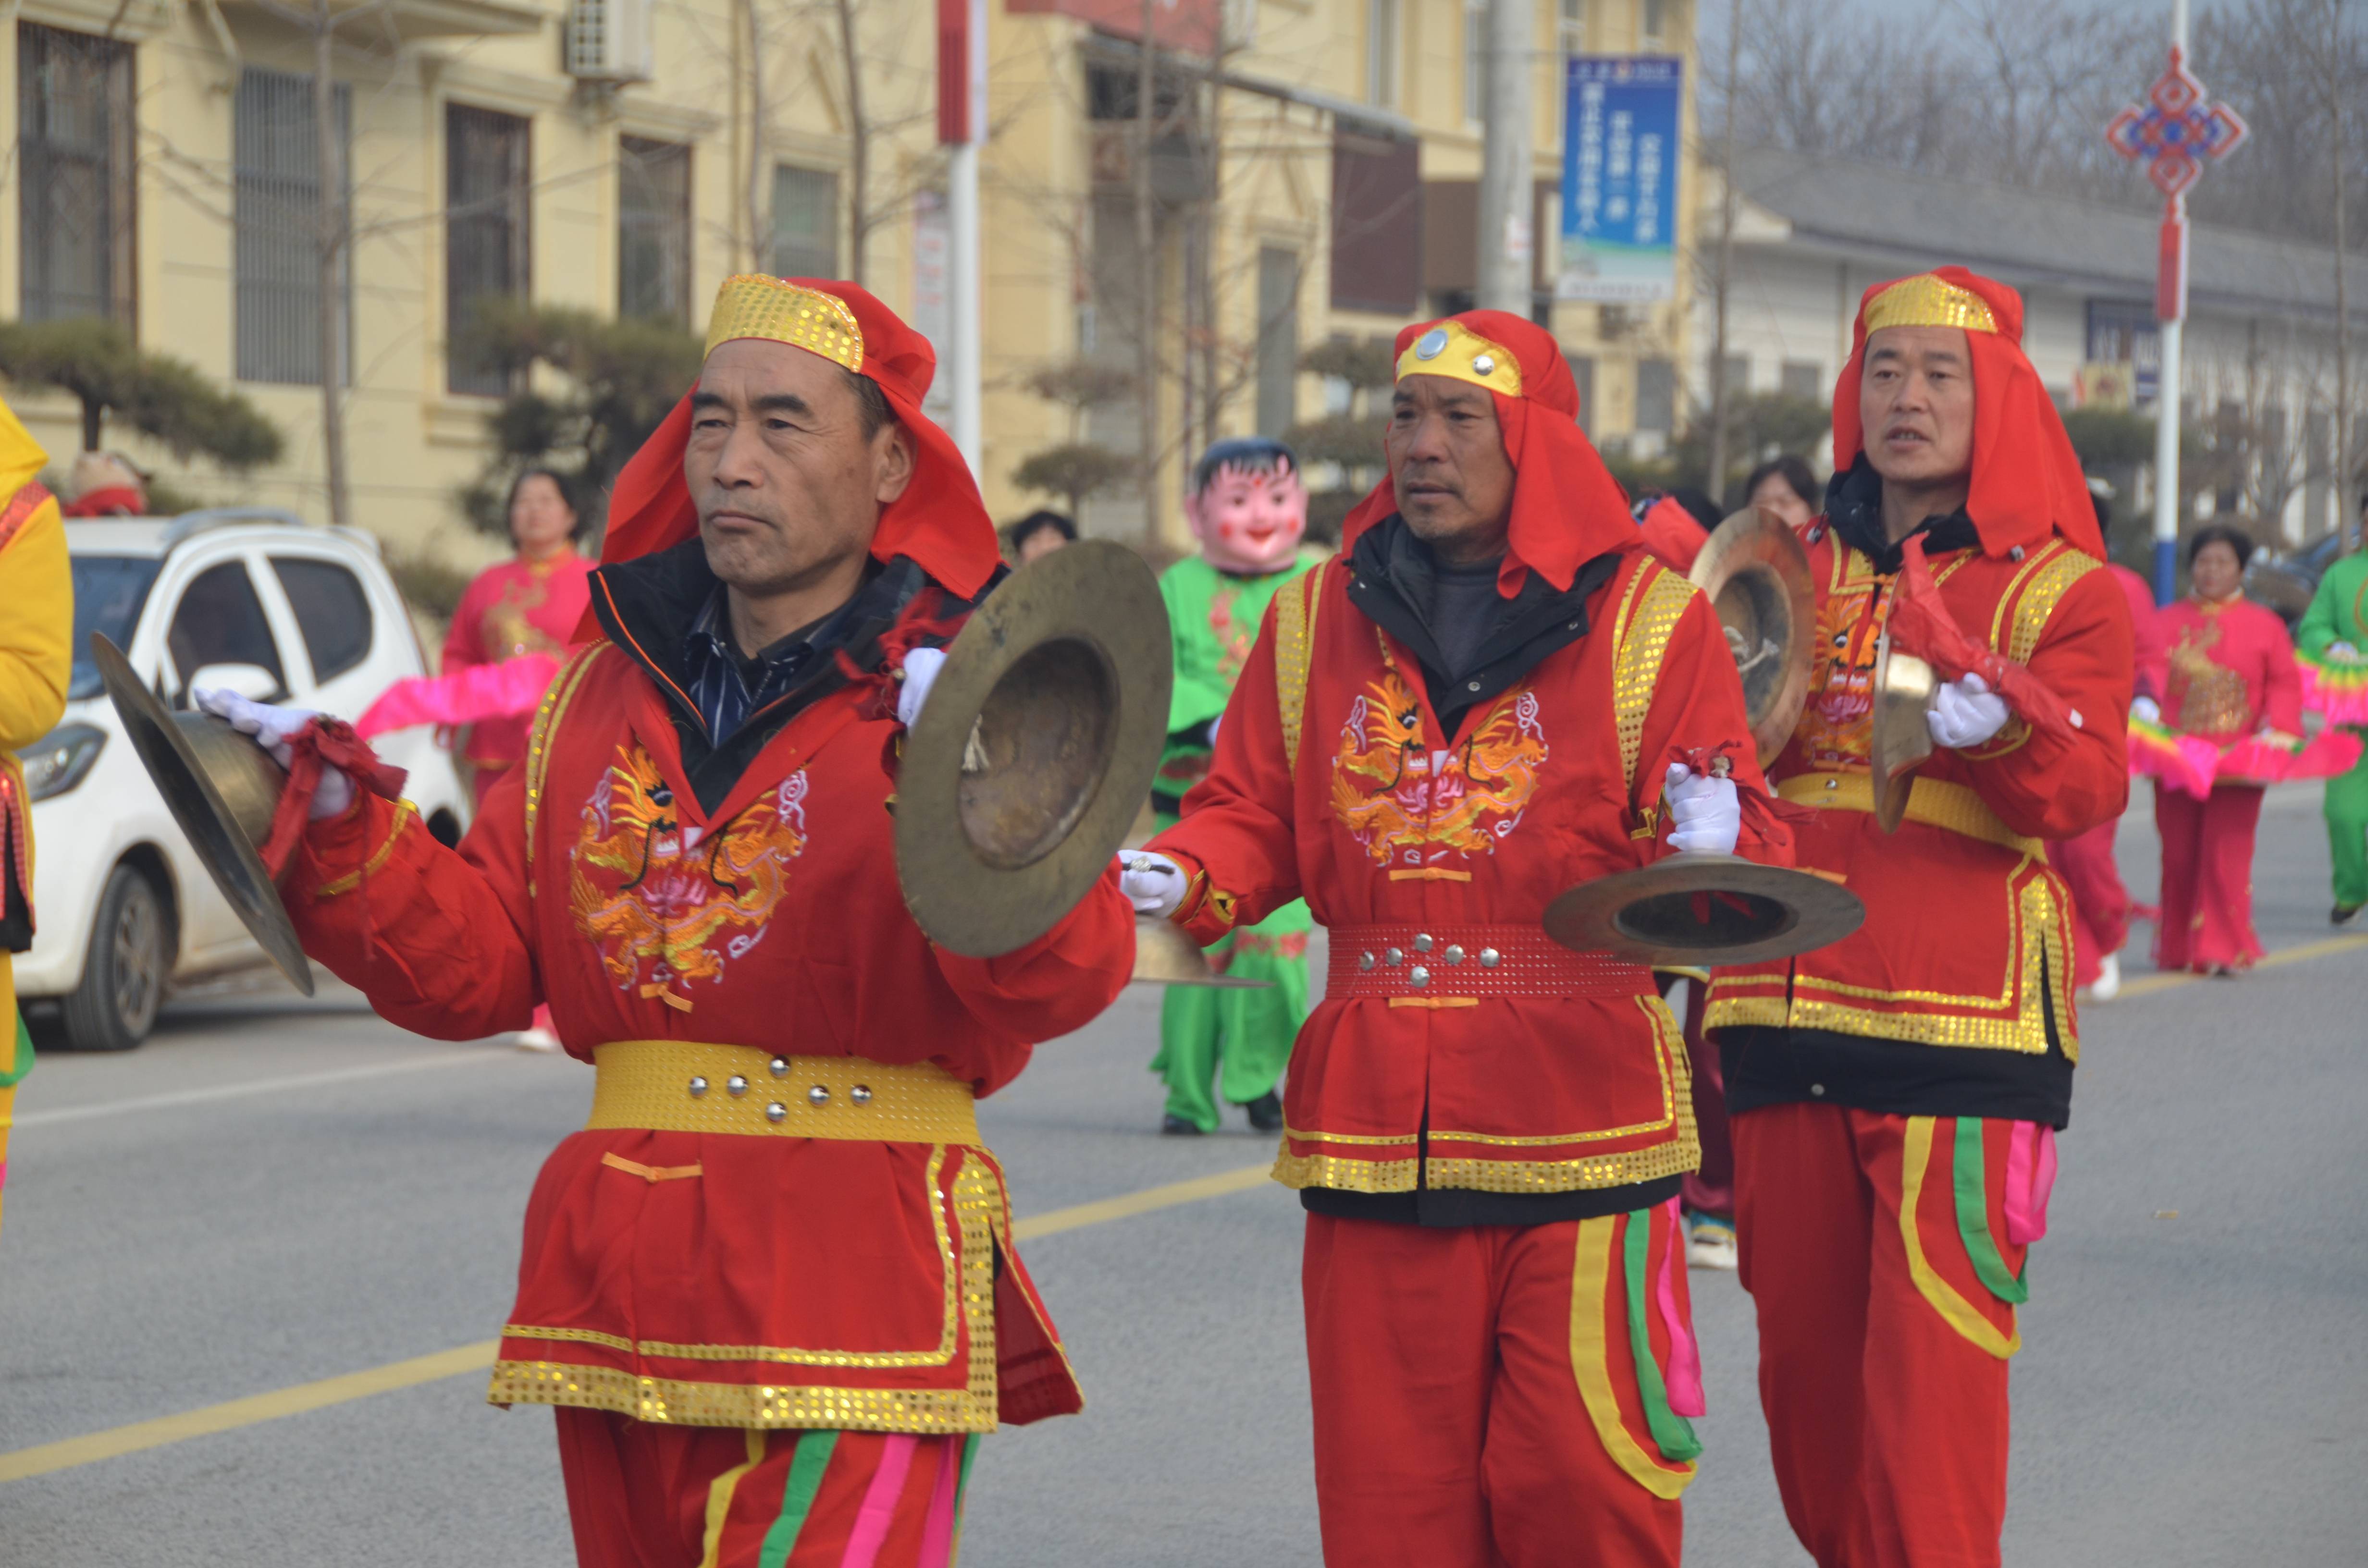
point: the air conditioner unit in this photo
(609, 41)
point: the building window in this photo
(487, 190)
(1475, 59)
(1381, 53)
(1656, 22)
(805, 223)
(75, 200)
(1376, 224)
(1656, 396)
(653, 230)
(1582, 376)
(1803, 378)
(1278, 339)
(1570, 27)
(276, 212)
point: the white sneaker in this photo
(1710, 1244)
(2109, 978)
(536, 1039)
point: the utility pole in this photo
(1717, 484)
(329, 256)
(962, 126)
(1146, 256)
(1507, 270)
(2346, 496)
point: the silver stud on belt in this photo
(818, 1096)
(1418, 977)
(1365, 960)
(698, 1087)
(1422, 943)
(735, 1086)
(861, 1094)
(1454, 954)
(1393, 958)
(776, 1111)
(781, 1066)
(1490, 958)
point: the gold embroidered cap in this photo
(1928, 301)
(1453, 350)
(754, 305)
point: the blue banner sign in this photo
(1619, 178)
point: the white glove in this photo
(1706, 813)
(921, 668)
(271, 728)
(2147, 708)
(1153, 883)
(1965, 714)
(2345, 651)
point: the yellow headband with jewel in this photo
(1451, 348)
(1929, 302)
(753, 305)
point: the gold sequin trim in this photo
(1928, 301)
(754, 305)
(1294, 634)
(1343, 1176)
(679, 1403)
(1643, 640)
(2038, 603)
(1675, 1157)
(538, 747)
(404, 814)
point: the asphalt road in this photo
(276, 1191)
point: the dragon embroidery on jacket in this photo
(1408, 803)
(648, 889)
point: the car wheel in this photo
(123, 975)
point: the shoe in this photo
(2346, 913)
(1176, 1126)
(535, 1039)
(1710, 1243)
(1266, 1112)
(2109, 978)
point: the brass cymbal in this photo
(1756, 576)
(221, 788)
(1704, 910)
(1900, 739)
(1164, 955)
(1035, 750)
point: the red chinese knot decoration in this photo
(2173, 133)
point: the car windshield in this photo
(107, 593)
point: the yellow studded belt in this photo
(1935, 802)
(668, 1086)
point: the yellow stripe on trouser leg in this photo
(719, 1498)
(1590, 1362)
(1915, 1159)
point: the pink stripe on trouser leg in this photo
(937, 1531)
(2030, 1179)
(879, 1509)
(1683, 1377)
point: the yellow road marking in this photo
(232, 1415)
(2151, 983)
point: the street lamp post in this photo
(2174, 130)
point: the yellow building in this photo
(1311, 174)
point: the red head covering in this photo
(2028, 486)
(1567, 509)
(939, 521)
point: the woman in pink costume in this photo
(2227, 671)
(529, 604)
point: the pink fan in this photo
(480, 691)
(2255, 760)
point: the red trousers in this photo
(643, 1495)
(2100, 905)
(1709, 1189)
(1885, 1254)
(1477, 1392)
(2207, 878)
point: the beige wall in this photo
(413, 444)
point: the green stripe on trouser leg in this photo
(1970, 1169)
(806, 1468)
(1672, 1432)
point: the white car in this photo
(248, 599)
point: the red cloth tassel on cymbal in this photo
(325, 742)
(1920, 624)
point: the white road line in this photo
(262, 1086)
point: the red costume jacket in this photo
(1968, 934)
(1433, 857)
(726, 1276)
(2225, 670)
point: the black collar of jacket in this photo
(648, 604)
(1392, 573)
(1854, 511)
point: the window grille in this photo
(805, 223)
(653, 230)
(487, 231)
(1278, 339)
(275, 212)
(75, 200)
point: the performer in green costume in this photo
(1248, 509)
(2333, 644)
